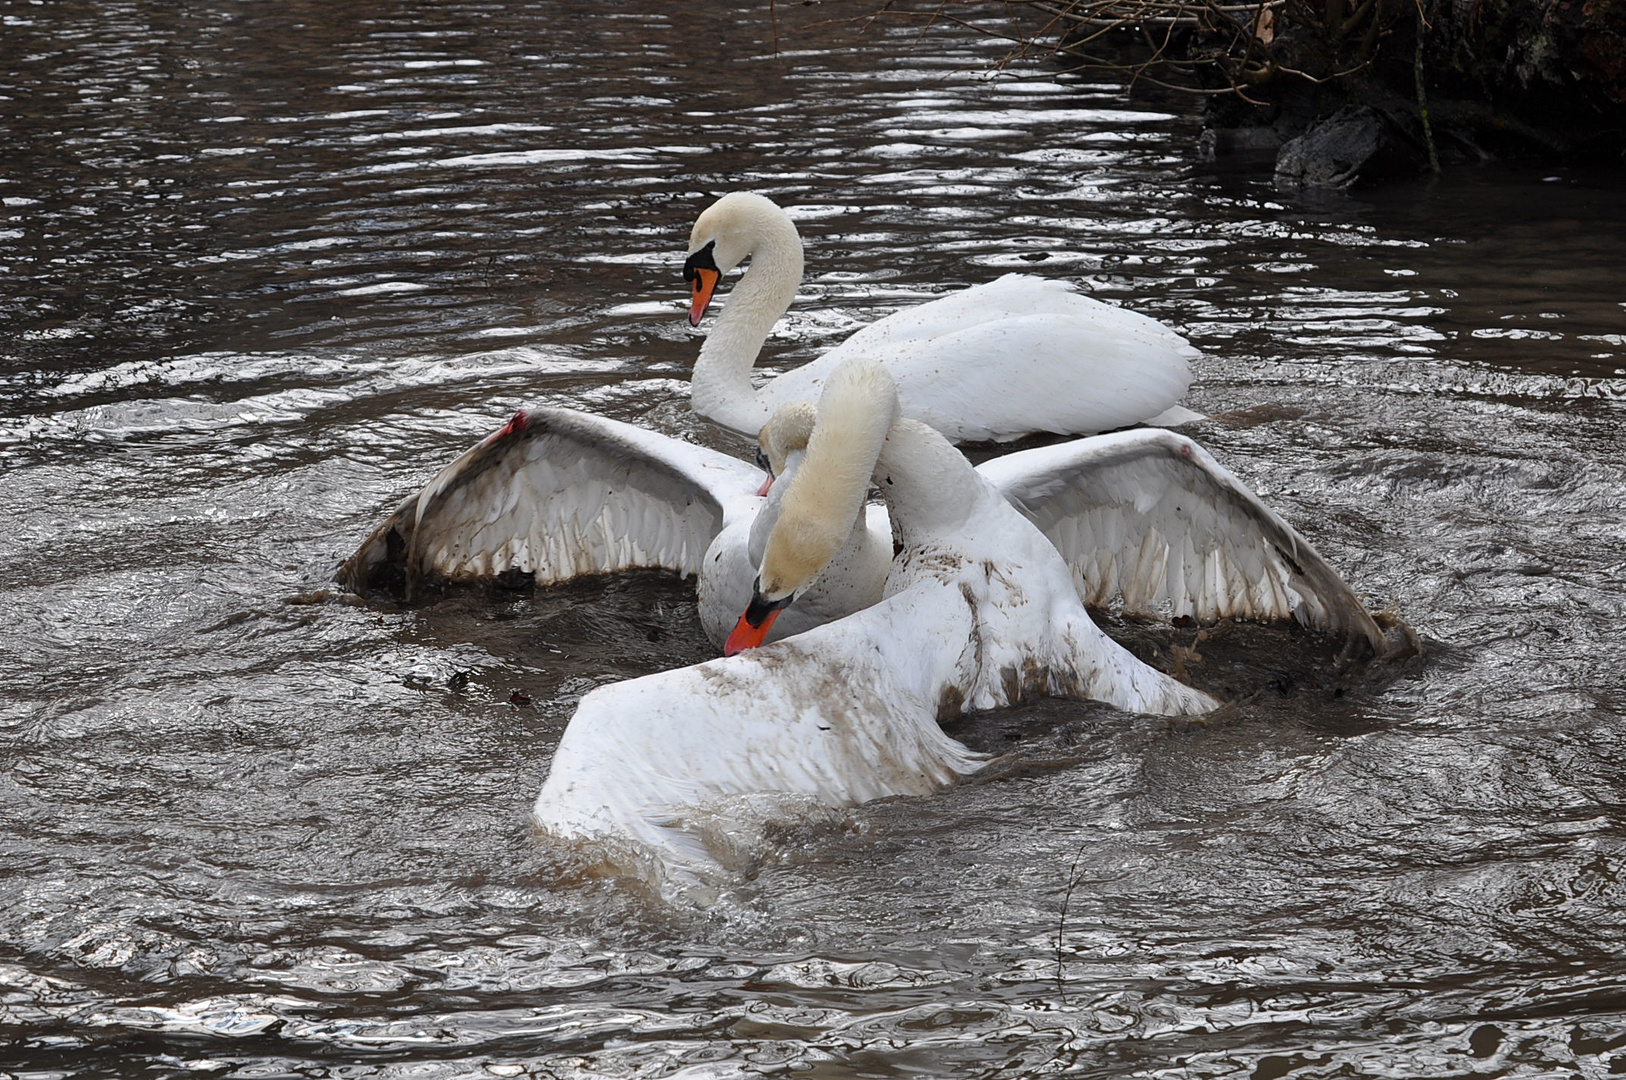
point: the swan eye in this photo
(762, 461)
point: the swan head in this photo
(843, 439)
(786, 432)
(728, 232)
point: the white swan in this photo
(1145, 518)
(980, 612)
(1013, 357)
(557, 494)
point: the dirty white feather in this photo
(980, 611)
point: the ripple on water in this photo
(256, 271)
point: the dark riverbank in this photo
(1343, 92)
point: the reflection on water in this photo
(268, 266)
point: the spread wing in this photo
(1148, 518)
(558, 493)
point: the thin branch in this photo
(1238, 42)
(1422, 96)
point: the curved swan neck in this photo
(858, 407)
(930, 488)
(753, 227)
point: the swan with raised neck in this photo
(993, 362)
(741, 225)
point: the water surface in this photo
(268, 266)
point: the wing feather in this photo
(558, 493)
(1149, 518)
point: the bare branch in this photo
(1238, 41)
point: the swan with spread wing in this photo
(1145, 518)
(979, 611)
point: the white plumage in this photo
(980, 611)
(1145, 518)
(1012, 357)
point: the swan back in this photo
(840, 715)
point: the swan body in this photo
(556, 493)
(1145, 518)
(837, 716)
(1013, 357)
(980, 611)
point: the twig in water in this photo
(1061, 925)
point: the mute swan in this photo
(980, 612)
(556, 494)
(1012, 357)
(1145, 518)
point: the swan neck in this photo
(931, 490)
(825, 497)
(720, 389)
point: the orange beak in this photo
(746, 636)
(767, 483)
(753, 627)
(701, 287)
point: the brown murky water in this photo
(267, 266)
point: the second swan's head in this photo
(843, 440)
(725, 234)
